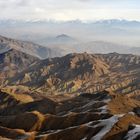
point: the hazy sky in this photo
(70, 9)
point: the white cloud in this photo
(69, 9)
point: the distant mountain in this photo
(118, 22)
(60, 40)
(106, 47)
(116, 31)
(95, 47)
(28, 48)
(64, 38)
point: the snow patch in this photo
(131, 113)
(132, 134)
(107, 125)
(103, 109)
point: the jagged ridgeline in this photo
(77, 73)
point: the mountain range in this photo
(85, 72)
(30, 48)
(116, 31)
(61, 38)
(90, 96)
(102, 47)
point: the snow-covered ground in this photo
(107, 125)
(132, 134)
